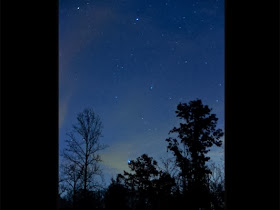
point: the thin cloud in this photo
(63, 109)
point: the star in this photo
(129, 61)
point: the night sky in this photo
(133, 61)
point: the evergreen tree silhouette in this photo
(148, 187)
(197, 134)
(141, 182)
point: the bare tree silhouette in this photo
(217, 186)
(81, 158)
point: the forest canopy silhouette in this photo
(185, 182)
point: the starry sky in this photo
(133, 61)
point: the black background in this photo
(29, 105)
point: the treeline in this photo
(185, 181)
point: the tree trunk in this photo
(86, 164)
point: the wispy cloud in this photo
(79, 32)
(63, 108)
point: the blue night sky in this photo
(133, 62)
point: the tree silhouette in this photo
(81, 153)
(183, 180)
(63, 204)
(169, 166)
(149, 187)
(196, 134)
(116, 196)
(88, 199)
(141, 182)
(70, 180)
(217, 187)
(165, 190)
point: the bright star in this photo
(78, 7)
(137, 19)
